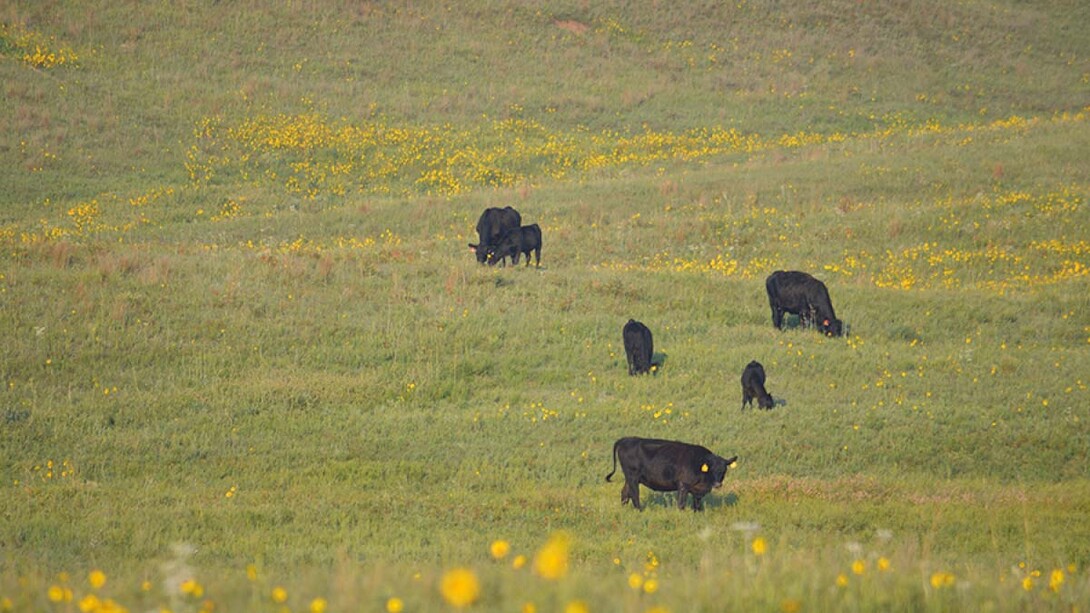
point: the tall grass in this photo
(250, 363)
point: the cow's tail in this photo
(610, 475)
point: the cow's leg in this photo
(745, 399)
(634, 493)
(698, 503)
(681, 493)
(625, 496)
(537, 255)
(777, 317)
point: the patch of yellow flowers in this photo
(310, 155)
(36, 49)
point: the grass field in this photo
(250, 364)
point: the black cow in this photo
(491, 226)
(803, 295)
(638, 347)
(753, 386)
(667, 466)
(515, 241)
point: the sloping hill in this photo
(250, 363)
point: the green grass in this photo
(238, 312)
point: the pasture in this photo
(250, 363)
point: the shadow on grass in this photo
(792, 322)
(668, 500)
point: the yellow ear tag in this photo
(704, 468)
(732, 464)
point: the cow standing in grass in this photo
(753, 386)
(516, 241)
(803, 295)
(638, 347)
(493, 223)
(668, 466)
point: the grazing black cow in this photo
(516, 241)
(667, 466)
(753, 386)
(638, 347)
(803, 295)
(491, 226)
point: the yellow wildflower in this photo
(499, 549)
(1056, 580)
(394, 605)
(97, 579)
(759, 546)
(89, 603)
(192, 588)
(551, 561)
(460, 587)
(940, 579)
(57, 593)
(576, 606)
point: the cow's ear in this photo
(732, 461)
(473, 247)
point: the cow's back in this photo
(638, 346)
(495, 221)
(754, 374)
(794, 289)
(659, 463)
(509, 218)
(531, 236)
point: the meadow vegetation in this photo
(250, 364)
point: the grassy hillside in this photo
(250, 363)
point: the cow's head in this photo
(482, 254)
(832, 327)
(492, 255)
(717, 469)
